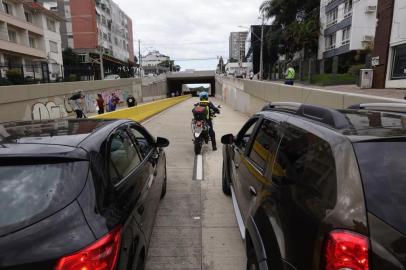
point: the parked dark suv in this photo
(316, 188)
(78, 194)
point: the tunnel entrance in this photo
(176, 81)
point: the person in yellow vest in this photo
(211, 110)
(290, 75)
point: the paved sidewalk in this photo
(389, 93)
(195, 227)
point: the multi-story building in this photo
(29, 40)
(96, 27)
(346, 26)
(389, 55)
(151, 63)
(237, 45)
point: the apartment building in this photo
(96, 27)
(150, 63)
(29, 40)
(237, 45)
(346, 26)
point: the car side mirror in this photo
(227, 139)
(161, 142)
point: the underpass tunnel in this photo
(175, 85)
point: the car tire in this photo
(225, 181)
(252, 262)
(163, 191)
(140, 264)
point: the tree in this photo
(295, 27)
(70, 58)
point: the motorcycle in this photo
(200, 131)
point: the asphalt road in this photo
(195, 227)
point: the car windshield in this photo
(383, 174)
(30, 192)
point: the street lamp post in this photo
(261, 56)
(261, 60)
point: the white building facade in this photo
(346, 25)
(29, 39)
(396, 71)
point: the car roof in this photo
(65, 132)
(363, 125)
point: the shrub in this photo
(14, 76)
(354, 69)
(72, 78)
(330, 79)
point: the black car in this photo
(316, 188)
(78, 194)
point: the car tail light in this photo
(101, 255)
(346, 250)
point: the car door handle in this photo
(253, 192)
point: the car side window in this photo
(124, 155)
(142, 142)
(244, 135)
(306, 160)
(266, 143)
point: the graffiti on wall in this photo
(57, 107)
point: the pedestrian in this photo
(112, 104)
(131, 101)
(75, 101)
(290, 75)
(100, 103)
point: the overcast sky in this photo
(189, 29)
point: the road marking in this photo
(238, 215)
(198, 168)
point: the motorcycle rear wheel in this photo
(198, 147)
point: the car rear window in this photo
(29, 193)
(383, 172)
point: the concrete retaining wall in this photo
(49, 101)
(144, 111)
(250, 96)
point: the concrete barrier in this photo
(248, 96)
(144, 111)
(50, 101)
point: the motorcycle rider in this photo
(211, 110)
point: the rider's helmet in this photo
(204, 96)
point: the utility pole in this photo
(139, 56)
(101, 51)
(261, 60)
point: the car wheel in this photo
(163, 192)
(140, 264)
(225, 181)
(252, 262)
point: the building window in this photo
(53, 47)
(51, 25)
(116, 41)
(348, 8)
(28, 17)
(399, 62)
(104, 36)
(330, 42)
(346, 35)
(8, 8)
(12, 36)
(332, 17)
(32, 42)
(54, 8)
(82, 58)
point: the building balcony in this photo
(19, 23)
(12, 47)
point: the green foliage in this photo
(14, 76)
(72, 78)
(330, 79)
(355, 69)
(295, 27)
(70, 58)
